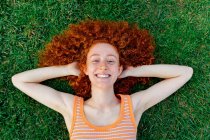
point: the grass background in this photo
(180, 29)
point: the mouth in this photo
(102, 75)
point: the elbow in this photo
(188, 72)
(14, 80)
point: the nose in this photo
(103, 66)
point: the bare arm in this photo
(175, 77)
(28, 82)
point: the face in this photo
(103, 66)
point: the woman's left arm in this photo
(175, 77)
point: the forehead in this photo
(103, 49)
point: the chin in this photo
(103, 85)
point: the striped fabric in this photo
(124, 128)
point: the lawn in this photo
(181, 32)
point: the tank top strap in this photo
(128, 109)
(76, 111)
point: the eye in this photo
(95, 61)
(111, 61)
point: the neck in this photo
(103, 97)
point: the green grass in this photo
(180, 29)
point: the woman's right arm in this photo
(28, 82)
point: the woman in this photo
(105, 114)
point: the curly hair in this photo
(135, 47)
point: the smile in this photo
(102, 75)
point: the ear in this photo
(85, 71)
(120, 70)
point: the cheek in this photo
(90, 69)
(115, 70)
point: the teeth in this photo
(102, 75)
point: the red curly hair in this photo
(135, 47)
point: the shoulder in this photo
(69, 100)
(135, 103)
(133, 100)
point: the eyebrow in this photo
(107, 55)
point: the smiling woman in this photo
(111, 57)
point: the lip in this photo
(102, 74)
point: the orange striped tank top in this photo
(124, 128)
